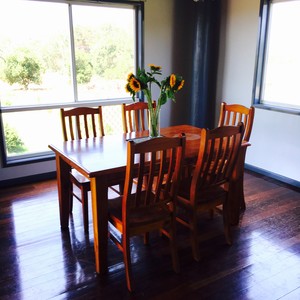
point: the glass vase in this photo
(154, 122)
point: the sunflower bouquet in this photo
(142, 82)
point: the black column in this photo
(206, 20)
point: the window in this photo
(62, 54)
(278, 64)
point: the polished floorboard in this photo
(39, 261)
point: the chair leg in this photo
(226, 222)
(194, 237)
(238, 177)
(146, 238)
(236, 195)
(71, 198)
(174, 249)
(85, 209)
(127, 262)
(121, 188)
(243, 202)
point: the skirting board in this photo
(289, 181)
(27, 179)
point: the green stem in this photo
(153, 112)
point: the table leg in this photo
(99, 189)
(236, 188)
(63, 184)
(235, 195)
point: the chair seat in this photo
(139, 216)
(215, 194)
(79, 177)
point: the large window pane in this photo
(278, 63)
(30, 132)
(104, 50)
(282, 69)
(35, 53)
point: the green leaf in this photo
(163, 99)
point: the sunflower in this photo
(172, 80)
(130, 75)
(180, 85)
(127, 88)
(142, 81)
(134, 84)
(154, 67)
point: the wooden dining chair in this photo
(205, 190)
(135, 116)
(81, 123)
(232, 114)
(142, 210)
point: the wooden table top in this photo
(108, 154)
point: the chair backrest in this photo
(218, 152)
(233, 114)
(135, 116)
(158, 161)
(81, 122)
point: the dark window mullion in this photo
(73, 55)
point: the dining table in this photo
(103, 161)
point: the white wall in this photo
(158, 43)
(275, 136)
(27, 170)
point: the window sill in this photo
(278, 109)
(12, 162)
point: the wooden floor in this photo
(38, 261)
